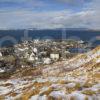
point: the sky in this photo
(49, 14)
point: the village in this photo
(42, 70)
(37, 53)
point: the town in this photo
(50, 70)
(37, 53)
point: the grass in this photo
(70, 90)
(86, 98)
(63, 82)
(9, 58)
(53, 98)
(40, 85)
(2, 97)
(89, 92)
(72, 98)
(88, 84)
(47, 92)
(5, 75)
(29, 94)
(97, 75)
(78, 86)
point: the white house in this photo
(1, 70)
(36, 41)
(46, 60)
(31, 57)
(23, 49)
(35, 50)
(55, 56)
(0, 54)
(26, 55)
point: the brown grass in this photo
(97, 75)
(29, 94)
(88, 84)
(2, 97)
(89, 92)
(86, 98)
(7, 84)
(47, 92)
(40, 85)
(63, 82)
(53, 98)
(72, 98)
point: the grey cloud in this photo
(87, 18)
(95, 18)
(56, 19)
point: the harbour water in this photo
(85, 35)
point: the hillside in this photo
(88, 59)
(75, 79)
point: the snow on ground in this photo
(58, 94)
(1, 70)
(59, 89)
(77, 84)
(34, 97)
(77, 95)
(10, 85)
(4, 90)
(37, 97)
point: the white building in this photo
(35, 50)
(0, 54)
(26, 55)
(1, 70)
(23, 49)
(36, 41)
(47, 61)
(31, 57)
(55, 56)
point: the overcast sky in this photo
(49, 14)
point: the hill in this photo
(75, 79)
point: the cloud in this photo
(21, 3)
(53, 19)
(73, 2)
(19, 19)
(70, 1)
(17, 1)
(95, 7)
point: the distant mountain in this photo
(49, 29)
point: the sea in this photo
(11, 37)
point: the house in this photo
(2, 70)
(26, 55)
(47, 61)
(55, 56)
(35, 50)
(23, 49)
(31, 57)
(0, 54)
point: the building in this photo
(47, 61)
(55, 56)
(0, 54)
